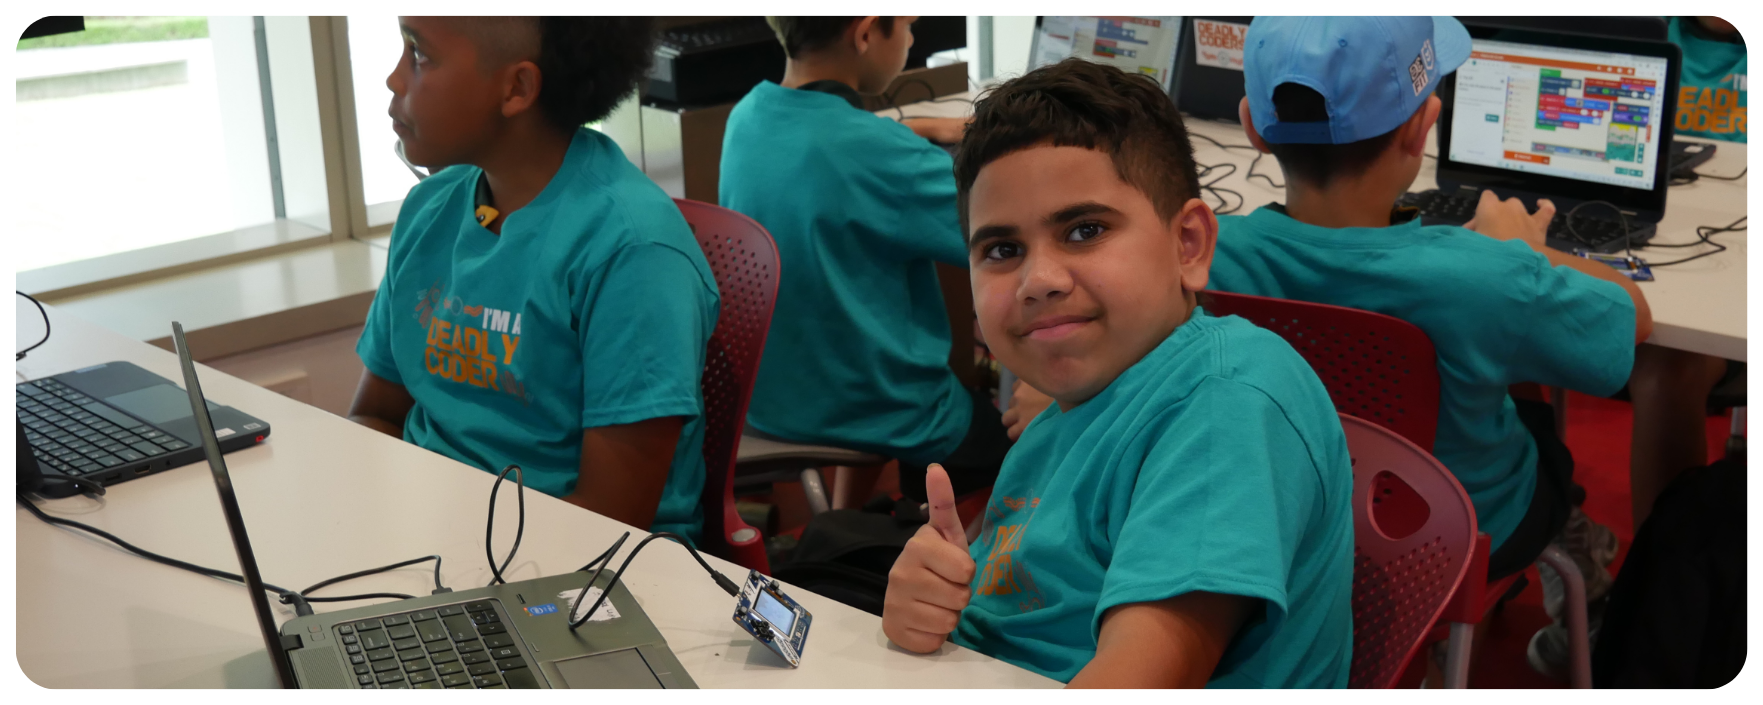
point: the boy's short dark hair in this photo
(589, 64)
(801, 35)
(1078, 103)
(1317, 164)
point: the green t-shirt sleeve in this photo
(924, 199)
(375, 345)
(1577, 332)
(1219, 506)
(643, 332)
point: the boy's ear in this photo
(864, 33)
(1413, 137)
(1249, 127)
(520, 88)
(1196, 229)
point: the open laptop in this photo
(1209, 68)
(1570, 117)
(506, 636)
(1144, 45)
(115, 422)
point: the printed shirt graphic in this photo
(1712, 88)
(861, 210)
(592, 308)
(1496, 311)
(1215, 464)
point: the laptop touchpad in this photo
(157, 404)
(618, 669)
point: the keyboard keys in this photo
(422, 685)
(147, 449)
(414, 666)
(400, 685)
(175, 444)
(386, 665)
(482, 618)
(351, 639)
(460, 628)
(380, 654)
(395, 620)
(410, 643)
(411, 655)
(498, 641)
(432, 630)
(487, 680)
(129, 455)
(346, 629)
(402, 631)
(469, 647)
(450, 611)
(452, 680)
(375, 640)
(478, 669)
(505, 652)
(436, 647)
(480, 606)
(489, 629)
(422, 616)
(521, 679)
(423, 677)
(446, 668)
(365, 679)
(352, 648)
(473, 659)
(390, 676)
(443, 657)
(108, 460)
(510, 664)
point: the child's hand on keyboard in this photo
(1510, 220)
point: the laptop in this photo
(1144, 45)
(507, 636)
(1209, 71)
(116, 422)
(1574, 118)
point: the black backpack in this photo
(1676, 617)
(845, 554)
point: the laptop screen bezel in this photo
(1647, 202)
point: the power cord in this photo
(1704, 236)
(605, 559)
(490, 523)
(45, 339)
(893, 102)
(287, 597)
(1690, 176)
(1252, 163)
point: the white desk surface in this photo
(324, 497)
(1697, 306)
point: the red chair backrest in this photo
(743, 259)
(1413, 540)
(1376, 367)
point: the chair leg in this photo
(1735, 442)
(1457, 649)
(816, 491)
(1579, 646)
(1558, 400)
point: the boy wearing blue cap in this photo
(544, 303)
(1181, 515)
(862, 208)
(1345, 105)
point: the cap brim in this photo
(1451, 42)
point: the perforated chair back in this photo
(744, 261)
(1413, 538)
(1379, 368)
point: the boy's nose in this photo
(1044, 278)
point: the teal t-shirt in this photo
(861, 209)
(1216, 464)
(1712, 86)
(593, 308)
(1496, 311)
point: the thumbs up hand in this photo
(929, 583)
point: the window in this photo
(148, 136)
(129, 143)
(374, 49)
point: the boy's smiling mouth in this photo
(1049, 328)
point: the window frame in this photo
(345, 214)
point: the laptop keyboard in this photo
(458, 646)
(79, 435)
(1590, 231)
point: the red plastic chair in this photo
(1378, 368)
(1414, 542)
(744, 261)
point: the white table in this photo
(1697, 306)
(324, 497)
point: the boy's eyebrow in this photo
(989, 233)
(415, 37)
(1077, 210)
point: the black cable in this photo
(1252, 163)
(439, 588)
(45, 339)
(286, 596)
(1734, 177)
(490, 525)
(721, 580)
(1704, 236)
(1627, 242)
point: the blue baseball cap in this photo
(1372, 72)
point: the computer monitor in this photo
(1145, 45)
(1625, 26)
(933, 34)
(1209, 67)
(1581, 114)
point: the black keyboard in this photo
(1594, 230)
(457, 646)
(78, 435)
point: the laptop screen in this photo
(1579, 114)
(1133, 44)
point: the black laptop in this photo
(514, 635)
(1575, 118)
(115, 422)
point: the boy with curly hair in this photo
(544, 303)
